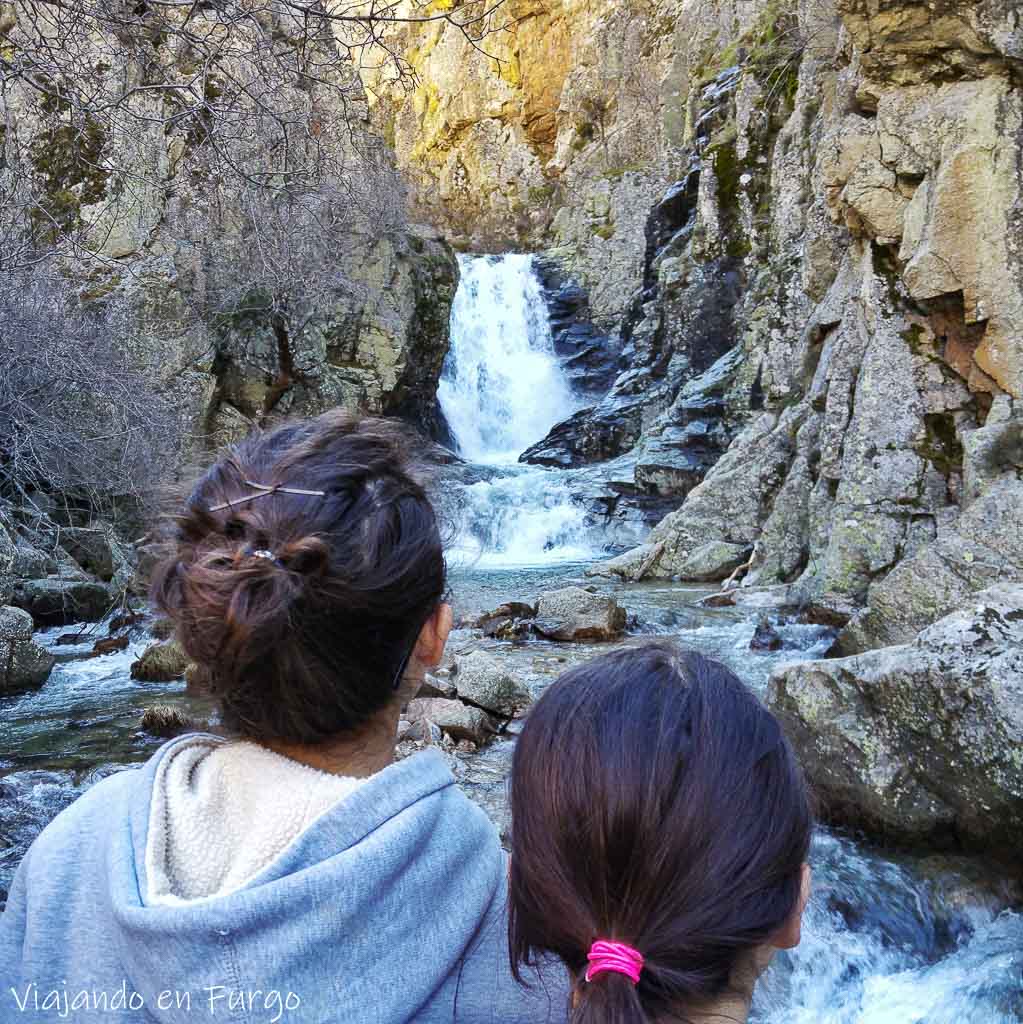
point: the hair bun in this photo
(308, 556)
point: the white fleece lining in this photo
(223, 811)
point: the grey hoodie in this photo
(390, 907)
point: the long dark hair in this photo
(655, 802)
(303, 608)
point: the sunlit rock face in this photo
(804, 222)
(245, 302)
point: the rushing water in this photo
(887, 940)
(502, 389)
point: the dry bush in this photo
(75, 419)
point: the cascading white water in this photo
(502, 388)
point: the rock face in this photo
(23, 663)
(922, 741)
(800, 225)
(576, 614)
(352, 314)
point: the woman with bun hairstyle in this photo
(292, 870)
(660, 829)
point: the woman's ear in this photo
(433, 637)
(788, 936)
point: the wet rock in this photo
(457, 720)
(166, 721)
(766, 637)
(632, 565)
(507, 622)
(576, 614)
(482, 681)
(23, 663)
(109, 645)
(90, 547)
(961, 884)
(160, 662)
(126, 620)
(920, 743)
(589, 356)
(713, 561)
(55, 601)
(593, 434)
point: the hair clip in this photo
(262, 490)
(263, 553)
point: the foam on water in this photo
(502, 387)
(502, 390)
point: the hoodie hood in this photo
(389, 907)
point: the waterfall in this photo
(502, 388)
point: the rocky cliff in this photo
(152, 180)
(804, 223)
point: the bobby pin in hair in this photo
(262, 490)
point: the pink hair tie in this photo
(614, 956)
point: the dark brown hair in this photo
(303, 609)
(655, 802)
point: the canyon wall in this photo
(804, 223)
(247, 295)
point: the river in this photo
(888, 939)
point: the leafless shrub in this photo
(106, 101)
(74, 417)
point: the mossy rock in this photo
(166, 721)
(160, 663)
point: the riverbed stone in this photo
(23, 663)
(457, 720)
(167, 721)
(713, 561)
(161, 662)
(921, 742)
(573, 613)
(56, 601)
(483, 681)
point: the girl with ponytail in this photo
(660, 829)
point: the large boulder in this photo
(713, 561)
(458, 720)
(23, 663)
(56, 601)
(576, 614)
(483, 682)
(922, 742)
(8, 558)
